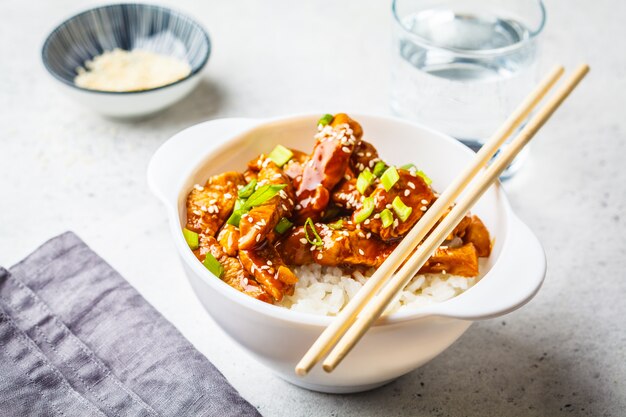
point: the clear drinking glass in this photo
(462, 66)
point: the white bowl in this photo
(397, 344)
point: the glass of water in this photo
(462, 66)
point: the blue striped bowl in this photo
(126, 26)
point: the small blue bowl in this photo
(126, 26)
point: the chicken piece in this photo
(477, 234)
(461, 261)
(346, 196)
(250, 175)
(210, 206)
(326, 166)
(294, 167)
(234, 273)
(340, 247)
(229, 239)
(259, 223)
(364, 156)
(413, 191)
(268, 268)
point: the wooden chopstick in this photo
(348, 314)
(373, 310)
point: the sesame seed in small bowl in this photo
(127, 60)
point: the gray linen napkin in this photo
(77, 340)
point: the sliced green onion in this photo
(425, 177)
(247, 191)
(280, 155)
(262, 195)
(364, 180)
(326, 119)
(366, 210)
(239, 203)
(386, 216)
(283, 225)
(337, 225)
(316, 239)
(213, 265)
(390, 178)
(402, 210)
(379, 168)
(235, 218)
(191, 238)
(407, 166)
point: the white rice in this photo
(326, 290)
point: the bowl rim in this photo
(274, 311)
(169, 10)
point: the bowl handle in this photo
(183, 152)
(511, 283)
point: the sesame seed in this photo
(312, 248)
(258, 237)
(377, 216)
(407, 193)
(359, 154)
(198, 187)
(423, 208)
(228, 195)
(298, 207)
(388, 206)
(367, 221)
(361, 251)
(245, 281)
(424, 201)
(395, 223)
(345, 149)
(320, 256)
(346, 177)
(443, 247)
(411, 185)
(444, 272)
(369, 234)
(269, 263)
(303, 241)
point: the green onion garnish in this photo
(407, 166)
(262, 195)
(386, 216)
(425, 177)
(283, 225)
(235, 218)
(247, 191)
(337, 225)
(364, 180)
(379, 168)
(366, 210)
(389, 178)
(191, 238)
(213, 265)
(280, 155)
(402, 210)
(316, 239)
(326, 119)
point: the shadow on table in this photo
(485, 374)
(202, 104)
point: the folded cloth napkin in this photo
(77, 340)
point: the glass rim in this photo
(463, 52)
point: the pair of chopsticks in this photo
(382, 287)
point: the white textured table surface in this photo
(63, 167)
